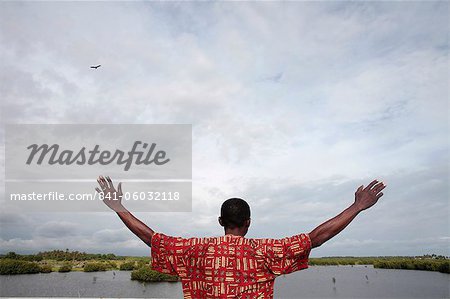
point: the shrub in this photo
(94, 267)
(127, 266)
(147, 274)
(65, 268)
(110, 265)
(444, 267)
(46, 269)
(10, 266)
(142, 263)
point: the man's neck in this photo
(238, 231)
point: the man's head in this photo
(235, 216)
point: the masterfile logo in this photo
(54, 167)
(53, 155)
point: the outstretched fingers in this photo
(378, 187)
(101, 182)
(110, 183)
(119, 188)
(105, 182)
(369, 187)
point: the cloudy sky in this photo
(293, 106)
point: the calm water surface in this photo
(315, 282)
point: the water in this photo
(362, 282)
(81, 284)
(315, 282)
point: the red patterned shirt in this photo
(229, 266)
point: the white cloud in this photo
(57, 229)
(112, 235)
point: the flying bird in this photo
(95, 66)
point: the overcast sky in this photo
(293, 106)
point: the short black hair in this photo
(234, 212)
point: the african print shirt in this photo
(229, 266)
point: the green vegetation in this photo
(60, 255)
(111, 265)
(11, 266)
(440, 265)
(143, 263)
(65, 268)
(427, 262)
(346, 260)
(65, 261)
(94, 267)
(147, 274)
(29, 258)
(46, 269)
(128, 266)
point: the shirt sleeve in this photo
(169, 254)
(288, 255)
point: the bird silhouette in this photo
(95, 66)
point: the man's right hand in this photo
(367, 197)
(111, 197)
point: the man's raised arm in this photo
(113, 199)
(364, 199)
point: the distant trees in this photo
(433, 256)
(15, 256)
(11, 255)
(429, 262)
(61, 255)
(67, 255)
(433, 264)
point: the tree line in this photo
(61, 255)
